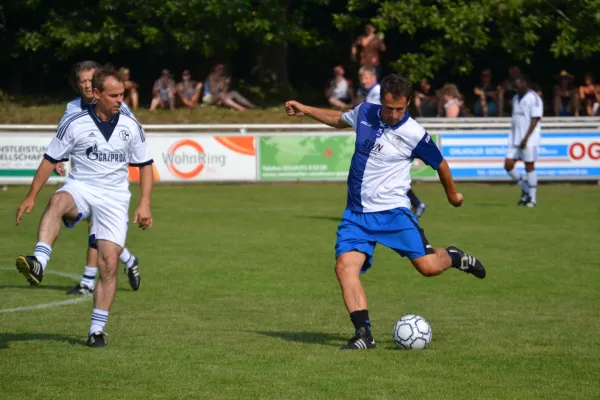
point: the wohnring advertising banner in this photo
(315, 156)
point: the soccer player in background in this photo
(102, 143)
(368, 79)
(377, 210)
(524, 139)
(81, 81)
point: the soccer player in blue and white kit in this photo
(524, 139)
(368, 80)
(81, 81)
(101, 142)
(378, 210)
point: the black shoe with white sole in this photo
(133, 274)
(468, 263)
(97, 339)
(80, 289)
(362, 341)
(31, 269)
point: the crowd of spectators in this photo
(489, 98)
(486, 99)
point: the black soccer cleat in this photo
(133, 274)
(97, 339)
(524, 199)
(80, 289)
(468, 263)
(362, 341)
(31, 269)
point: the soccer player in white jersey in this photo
(524, 139)
(81, 81)
(378, 210)
(102, 142)
(368, 79)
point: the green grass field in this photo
(239, 301)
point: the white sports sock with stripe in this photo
(42, 253)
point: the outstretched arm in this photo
(445, 176)
(332, 118)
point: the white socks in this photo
(532, 182)
(89, 276)
(127, 258)
(42, 253)
(99, 320)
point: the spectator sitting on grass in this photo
(163, 92)
(216, 91)
(188, 90)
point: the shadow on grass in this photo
(7, 338)
(47, 287)
(321, 217)
(327, 339)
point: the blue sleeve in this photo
(428, 152)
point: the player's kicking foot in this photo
(531, 204)
(468, 263)
(97, 339)
(420, 210)
(524, 199)
(362, 341)
(134, 274)
(31, 269)
(80, 289)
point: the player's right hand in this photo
(26, 206)
(294, 109)
(456, 199)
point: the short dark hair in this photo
(102, 74)
(76, 70)
(397, 85)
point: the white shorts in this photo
(108, 211)
(528, 154)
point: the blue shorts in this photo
(397, 229)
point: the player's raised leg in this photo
(106, 288)
(443, 259)
(509, 166)
(61, 205)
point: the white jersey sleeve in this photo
(140, 155)
(351, 117)
(535, 107)
(62, 143)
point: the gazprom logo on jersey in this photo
(186, 159)
(93, 154)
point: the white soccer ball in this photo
(412, 332)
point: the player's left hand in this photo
(523, 143)
(456, 199)
(143, 217)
